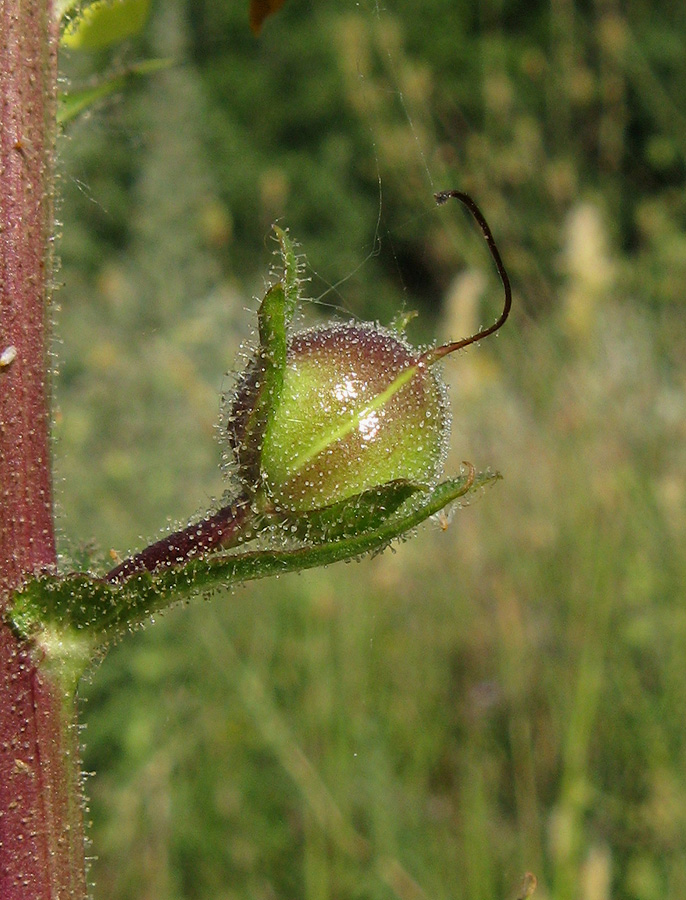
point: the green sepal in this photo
(266, 374)
(291, 273)
(265, 385)
(91, 611)
(353, 516)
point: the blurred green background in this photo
(502, 695)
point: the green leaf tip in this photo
(292, 271)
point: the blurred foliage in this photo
(503, 695)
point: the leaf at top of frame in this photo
(105, 22)
(260, 10)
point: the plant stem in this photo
(41, 832)
(227, 527)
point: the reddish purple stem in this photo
(223, 529)
(41, 823)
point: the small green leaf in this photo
(74, 103)
(105, 22)
(71, 105)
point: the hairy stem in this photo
(41, 834)
(227, 527)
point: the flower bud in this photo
(357, 411)
(344, 414)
